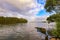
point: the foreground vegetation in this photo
(55, 18)
(49, 6)
(12, 20)
(54, 32)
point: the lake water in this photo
(25, 31)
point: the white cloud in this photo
(20, 8)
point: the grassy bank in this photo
(12, 20)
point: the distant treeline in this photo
(12, 20)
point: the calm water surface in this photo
(23, 31)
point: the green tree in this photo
(49, 6)
(55, 18)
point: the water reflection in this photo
(25, 31)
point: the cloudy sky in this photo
(29, 9)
